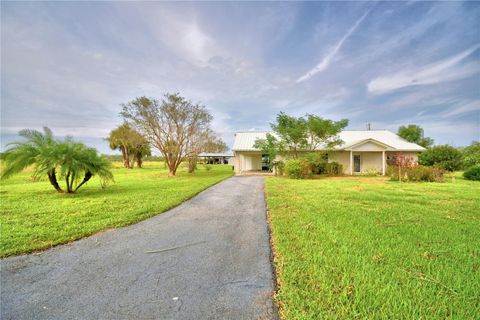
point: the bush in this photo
(472, 173)
(318, 162)
(445, 157)
(298, 169)
(471, 155)
(370, 172)
(422, 173)
(334, 168)
(279, 167)
(207, 167)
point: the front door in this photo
(356, 163)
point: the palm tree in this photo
(64, 159)
(133, 145)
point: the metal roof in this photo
(216, 155)
(245, 140)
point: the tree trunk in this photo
(139, 161)
(53, 180)
(87, 177)
(192, 164)
(67, 180)
(126, 157)
(132, 162)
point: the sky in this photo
(69, 65)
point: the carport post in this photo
(383, 162)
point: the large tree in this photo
(414, 133)
(471, 155)
(445, 157)
(67, 159)
(176, 127)
(133, 145)
(307, 133)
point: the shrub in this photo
(298, 169)
(472, 173)
(445, 157)
(279, 167)
(370, 172)
(471, 155)
(422, 173)
(318, 162)
(334, 168)
(207, 167)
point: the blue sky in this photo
(69, 65)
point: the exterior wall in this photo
(247, 161)
(252, 161)
(342, 157)
(370, 161)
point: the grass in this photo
(357, 248)
(34, 216)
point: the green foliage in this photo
(323, 132)
(318, 161)
(279, 167)
(471, 155)
(310, 133)
(68, 159)
(446, 157)
(414, 133)
(133, 145)
(334, 169)
(370, 173)
(269, 146)
(34, 218)
(207, 167)
(472, 173)
(298, 169)
(364, 248)
(427, 174)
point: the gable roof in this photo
(245, 140)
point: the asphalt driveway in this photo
(208, 258)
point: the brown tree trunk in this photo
(139, 161)
(126, 157)
(67, 180)
(87, 177)
(53, 180)
(192, 164)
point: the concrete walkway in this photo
(208, 258)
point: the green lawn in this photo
(34, 216)
(358, 248)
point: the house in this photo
(217, 158)
(361, 150)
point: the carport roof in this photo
(245, 140)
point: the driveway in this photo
(208, 258)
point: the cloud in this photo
(441, 71)
(330, 55)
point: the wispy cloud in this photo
(330, 55)
(440, 71)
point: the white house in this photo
(360, 151)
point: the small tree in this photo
(292, 132)
(414, 133)
(402, 163)
(471, 155)
(70, 160)
(307, 134)
(446, 157)
(133, 145)
(270, 146)
(176, 127)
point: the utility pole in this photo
(369, 126)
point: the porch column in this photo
(351, 162)
(383, 162)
